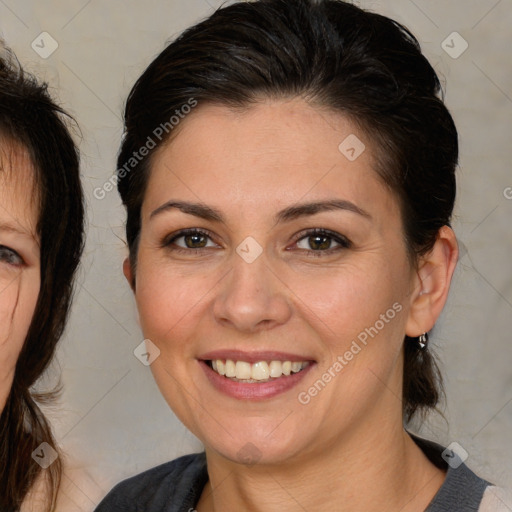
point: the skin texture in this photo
(249, 165)
(19, 270)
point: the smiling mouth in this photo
(260, 372)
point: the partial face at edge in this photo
(19, 259)
(209, 293)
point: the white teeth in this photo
(276, 369)
(230, 368)
(243, 370)
(257, 372)
(296, 367)
(260, 371)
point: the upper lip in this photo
(252, 357)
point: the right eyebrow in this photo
(196, 209)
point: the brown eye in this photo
(196, 241)
(189, 240)
(319, 240)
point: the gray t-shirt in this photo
(177, 486)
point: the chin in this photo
(257, 445)
(254, 452)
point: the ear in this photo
(128, 273)
(431, 283)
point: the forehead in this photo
(18, 194)
(275, 152)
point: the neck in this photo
(372, 469)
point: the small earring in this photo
(423, 340)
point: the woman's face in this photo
(19, 259)
(293, 258)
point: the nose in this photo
(252, 297)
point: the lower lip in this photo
(254, 390)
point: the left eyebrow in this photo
(12, 228)
(294, 212)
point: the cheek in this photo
(167, 302)
(17, 303)
(342, 302)
(9, 299)
(357, 316)
(170, 309)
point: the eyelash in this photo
(8, 255)
(343, 242)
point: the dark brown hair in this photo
(29, 118)
(335, 55)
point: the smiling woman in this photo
(290, 249)
(41, 235)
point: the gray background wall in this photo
(111, 418)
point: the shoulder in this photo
(78, 492)
(37, 497)
(168, 487)
(462, 489)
